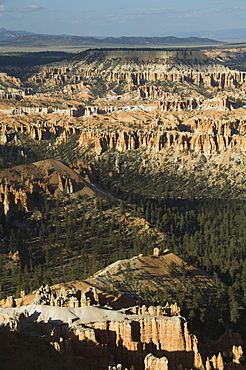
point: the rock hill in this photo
(145, 337)
(23, 186)
(129, 280)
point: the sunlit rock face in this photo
(98, 338)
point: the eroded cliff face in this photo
(136, 68)
(13, 199)
(144, 341)
(163, 113)
(22, 187)
(208, 138)
(180, 111)
(12, 82)
(130, 341)
(201, 134)
(220, 80)
(205, 132)
(37, 130)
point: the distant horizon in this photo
(96, 36)
(208, 36)
(212, 19)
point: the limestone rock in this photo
(237, 354)
(153, 363)
(156, 252)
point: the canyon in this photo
(99, 153)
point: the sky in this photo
(123, 17)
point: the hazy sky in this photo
(122, 17)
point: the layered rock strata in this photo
(217, 80)
(144, 341)
(48, 179)
(13, 199)
(191, 136)
(138, 67)
(221, 80)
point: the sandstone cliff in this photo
(21, 186)
(94, 337)
(203, 135)
(135, 68)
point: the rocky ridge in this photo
(97, 338)
(147, 337)
(137, 68)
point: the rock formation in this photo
(45, 179)
(13, 198)
(104, 338)
(199, 136)
(154, 363)
(184, 106)
(174, 66)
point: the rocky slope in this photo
(140, 122)
(146, 336)
(136, 279)
(22, 187)
(96, 337)
(176, 108)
